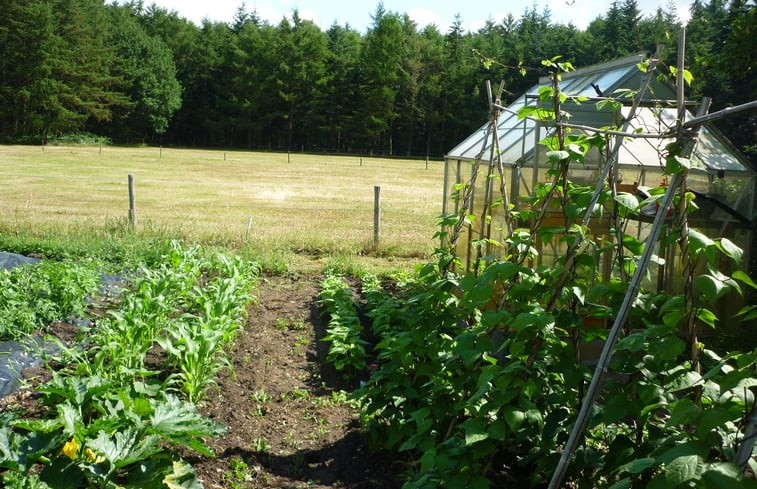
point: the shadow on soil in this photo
(345, 463)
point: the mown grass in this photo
(308, 212)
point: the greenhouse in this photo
(719, 176)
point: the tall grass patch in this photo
(316, 205)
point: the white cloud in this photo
(266, 12)
(477, 24)
(312, 16)
(424, 17)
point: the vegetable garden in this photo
(461, 376)
(479, 371)
(117, 412)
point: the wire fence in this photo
(315, 204)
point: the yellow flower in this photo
(90, 455)
(71, 448)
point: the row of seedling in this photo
(116, 415)
(346, 348)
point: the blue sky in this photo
(357, 13)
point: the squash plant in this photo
(481, 371)
(110, 418)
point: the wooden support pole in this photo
(249, 228)
(132, 203)
(376, 216)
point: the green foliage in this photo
(346, 347)
(483, 368)
(32, 296)
(112, 422)
(146, 65)
(133, 73)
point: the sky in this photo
(357, 13)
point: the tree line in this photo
(135, 73)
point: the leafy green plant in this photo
(481, 366)
(195, 349)
(102, 435)
(346, 347)
(110, 421)
(32, 296)
(239, 473)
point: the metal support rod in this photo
(746, 447)
(721, 114)
(612, 337)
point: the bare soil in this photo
(288, 424)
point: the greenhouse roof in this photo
(517, 136)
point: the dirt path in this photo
(288, 423)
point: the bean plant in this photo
(479, 372)
(346, 347)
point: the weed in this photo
(260, 445)
(260, 397)
(299, 394)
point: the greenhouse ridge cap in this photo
(629, 61)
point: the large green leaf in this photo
(71, 419)
(62, 474)
(686, 449)
(684, 380)
(514, 417)
(125, 447)
(683, 411)
(683, 469)
(714, 418)
(711, 286)
(629, 203)
(182, 477)
(177, 421)
(700, 243)
(743, 277)
(637, 466)
(722, 475)
(616, 407)
(475, 430)
(730, 249)
(667, 348)
(623, 483)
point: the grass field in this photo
(302, 207)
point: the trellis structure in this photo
(653, 141)
(720, 177)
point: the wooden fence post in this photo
(376, 216)
(132, 203)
